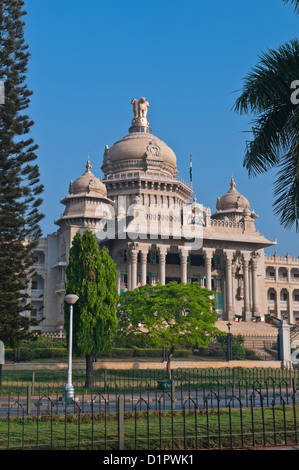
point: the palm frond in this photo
(269, 82)
(286, 206)
(295, 3)
(270, 139)
(267, 94)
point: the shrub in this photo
(141, 352)
(45, 353)
(27, 354)
(117, 352)
(182, 353)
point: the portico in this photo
(233, 278)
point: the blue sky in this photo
(89, 58)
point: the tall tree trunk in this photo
(170, 354)
(89, 379)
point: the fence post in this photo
(28, 400)
(172, 395)
(105, 380)
(295, 390)
(234, 378)
(33, 382)
(121, 410)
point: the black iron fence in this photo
(228, 411)
(189, 427)
(105, 379)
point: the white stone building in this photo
(156, 231)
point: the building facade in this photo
(156, 231)
(282, 287)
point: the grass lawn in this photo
(153, 430)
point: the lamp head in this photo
(71, 299)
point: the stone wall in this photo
(142, 365)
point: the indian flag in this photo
(191, 168)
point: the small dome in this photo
(232, 200)
(88, 183)
(138, 146)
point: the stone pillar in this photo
(278, 314)
(129, 272)
(208, 255)
(118, 261)
(143, 260)
(183, 256)
(284, 344)
(162, 250)
(118, 281)
(234, 289)
(247, 313)
(255, 302)
(229, 292)
(134, 254)
(290, 305)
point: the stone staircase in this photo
(258, 337)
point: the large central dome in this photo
(140, 149)
(141, 146)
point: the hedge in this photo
(142, 352)
(50, 353)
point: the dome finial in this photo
(88, 165)
(232, 183)
(140, 122)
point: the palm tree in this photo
(266, 93)
(293, 2)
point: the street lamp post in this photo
(69, 391)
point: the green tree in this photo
(267, 93)
(168, 316)
(20, 188)
(91, 274)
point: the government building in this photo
(156, 231)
